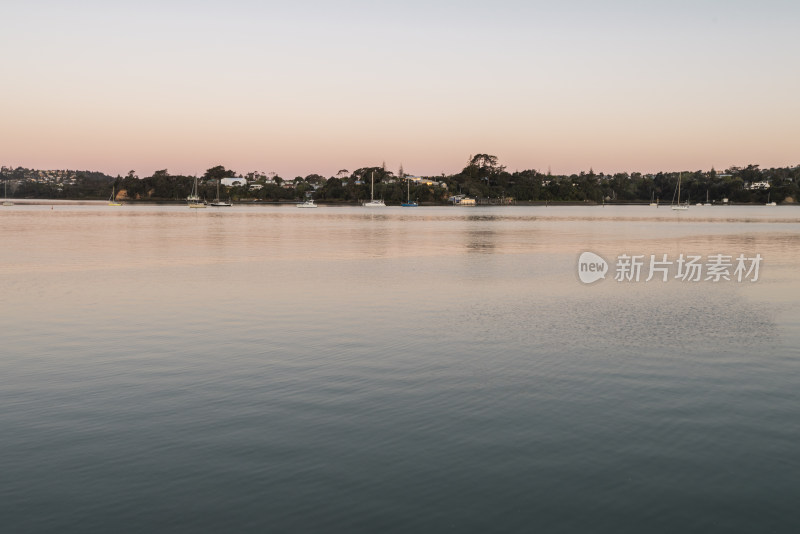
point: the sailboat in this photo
(6, 202)
(652, 199)
(372, 202)
(768, 202)
(680, 206)
(707, 202)
(217, 202)
(112, 200)
(194, 199)
(408, 203)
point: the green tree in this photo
(218, 172)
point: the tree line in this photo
(483, 177)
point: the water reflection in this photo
(127, 238)
(302, 358)
(481, 241)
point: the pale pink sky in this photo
(320, 86)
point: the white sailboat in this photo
(653, 201)
(372, 202)
(194, 199)
(768, 202)
(678, 205)
(219, 203)
(6, 202)
(307, 204)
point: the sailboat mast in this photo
(372, 186)
(679, 188)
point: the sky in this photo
(310, 86)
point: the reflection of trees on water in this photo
(374, 233)
(483, 240)
(472, 218)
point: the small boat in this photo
(6, 202)
(307, 204)
(768, 202)
(653, 201)
(408, 203)
(194, 199)
(678, 205)
(217, 203)
(372, 202)
(112, 201)
(707, 202)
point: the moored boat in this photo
(193, 199)
(678, 206)
(408, 203)
(217, 203)
(373, 203)
(112, 200)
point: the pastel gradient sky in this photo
(306, 86)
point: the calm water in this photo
(269, 369)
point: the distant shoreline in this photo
(321, 203)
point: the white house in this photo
(757, 185)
